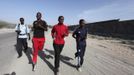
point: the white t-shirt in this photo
(24, 30)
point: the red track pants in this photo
(38, 44)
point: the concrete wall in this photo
(110, 27)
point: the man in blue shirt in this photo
(80, 34)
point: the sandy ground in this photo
(102, 57)
(125, 52)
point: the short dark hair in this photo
(38, 12)
(81, 20)
(60, 17)
(21, 18)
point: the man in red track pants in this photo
(39, 26)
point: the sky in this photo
(72, 10)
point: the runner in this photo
(59, 32)
(39, 26)
(22, 31)
(80, 34)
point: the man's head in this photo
(61, 19)
(22, 20)
(82, 22)
(38, 16)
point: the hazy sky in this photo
(72, 10)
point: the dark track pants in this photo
(58, 50)
(81, 47)
(21, 44)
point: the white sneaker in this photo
(79, 69)
(34, 67)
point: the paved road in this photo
(97, 61)
(7, 50)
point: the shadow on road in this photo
(13, 73)
(43, 56)
(64, 59)
(27, 53)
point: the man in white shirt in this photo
(23, 32)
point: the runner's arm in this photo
(53, 32)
